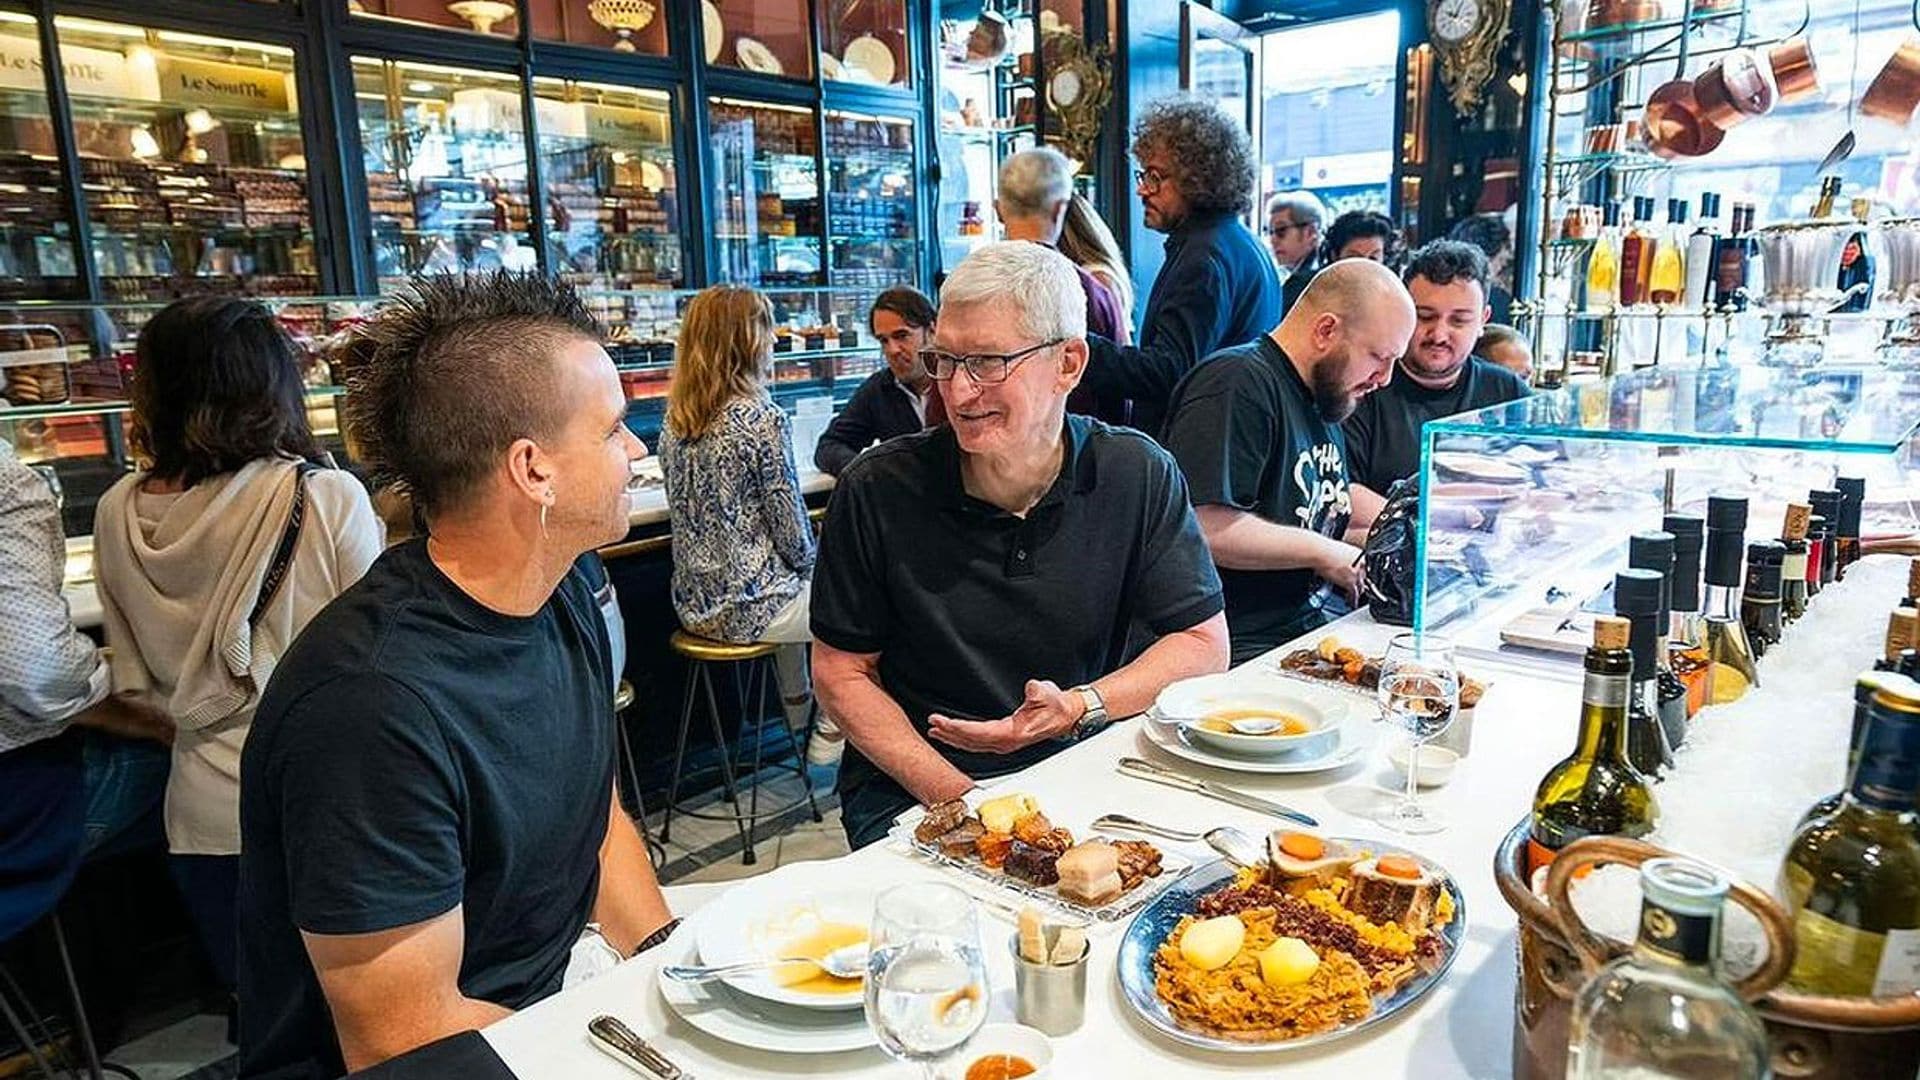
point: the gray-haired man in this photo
(978, 584)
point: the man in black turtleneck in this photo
(1217, 287)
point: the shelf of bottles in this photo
(613, 219)
(36, 237)
(191, 158)
(445, 151)
(872, 216)
(766, 194)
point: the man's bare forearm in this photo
(629, 905)
(850, 691)
(1197, 650)
(1245, 541)
(371, 1047)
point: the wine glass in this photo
(926, 991)
(1419, 691)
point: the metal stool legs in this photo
(655, 853)
(82, 1030)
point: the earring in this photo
(544, 507)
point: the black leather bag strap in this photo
(282, 560)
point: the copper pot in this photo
(1621, 12)
(1674, 125)
(1894, 92)
(1737, 87)
(1794, 72)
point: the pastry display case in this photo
(36, 231)
(192, 161)
(1526, 507)
(445, 151)
(765, 194)
(873, 239)
(606, 152)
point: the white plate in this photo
(1482, 467)
(757, 57)
(830, 67)
(1356, 738)
(744, 1020)
(712, 29)
(871, 55)
(757, 919)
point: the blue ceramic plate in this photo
(1157, 920)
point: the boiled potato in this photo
(1213, 943)
(998, 815)
(1287, 961)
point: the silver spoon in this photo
(1237, 847)
(846, 962)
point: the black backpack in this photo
(1387, 560)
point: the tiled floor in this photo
(196, 1047)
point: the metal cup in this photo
(1050, 997)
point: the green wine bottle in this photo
(1596, 790)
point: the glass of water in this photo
(1419, 691)
(926, 991)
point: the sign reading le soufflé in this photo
(88, 71)
(204, 82)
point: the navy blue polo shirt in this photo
(965, 602)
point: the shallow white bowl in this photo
(1016, 1039)
(1436, 763)
(1323, 722)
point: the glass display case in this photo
(36, 231)
(872, 219)
(766, 37)
(613, 218)
(193, 162)
(497, 17)
(865, 41)
(765, 196)
(445, 151)
(635, 26)
(1526, 507)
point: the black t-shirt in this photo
(1245, 431)
(1383, 434)
(965, 602)
(415, 751)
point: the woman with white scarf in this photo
(212, 557)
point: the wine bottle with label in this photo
(1700, 251)
(1654, 551)
(1793, 565)
(1636, 254)
(1730, 667)
(1688, 649)
(1661, 1010)
(1636, 598)
(1826, 504)
(1596, 790)
(1603, 262)
(1818, 539)
(1760, 598)
(1668, 277)
(1852, 879)
(1865, 685)
(1853, 495)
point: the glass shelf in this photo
(612, 184)
(872, 219)
(1619, 33)
(766, 196)
(1629, 161)
(315, 394)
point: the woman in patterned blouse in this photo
(742, 548)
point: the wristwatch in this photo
(1094, 718)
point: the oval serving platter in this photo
(1156, 921)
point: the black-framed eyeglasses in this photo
(981, 367)
(1149, 178)
(1288, 227)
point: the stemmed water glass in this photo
(926, 990)
(1419, 691)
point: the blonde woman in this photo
(1087, 241)
(742, 549)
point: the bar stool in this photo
(622, 701)
(701, 654)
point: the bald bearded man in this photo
(1256, 429)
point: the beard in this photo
(1332, 399)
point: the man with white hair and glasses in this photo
(979, 585)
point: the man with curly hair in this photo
(426, 799)
(1217, 287)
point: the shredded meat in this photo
(1294, 917)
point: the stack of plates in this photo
(1341, 731)
(764, 918)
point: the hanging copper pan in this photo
(1894, 92)
(1794, 72)
(1739, 86)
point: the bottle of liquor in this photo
(1688, 650)
(1826, 504)
(1668, 278)
(1852, 878)
(1793, 567)
(1654, 551)
(1733, 262)
(1853, 494)
(1829, 191)
(1700, 254)
(1661, 1010)
(1817, 539)
(1903, 633)
(1760, 598)
(1730, 668)
(1912, 599)
(1603, 262)
(1636, 253)
(1856, 263)
(1596, 790)
(1865, 685)
(1636, 598)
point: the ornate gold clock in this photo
(1466, 34)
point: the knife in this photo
(1147, 770)
(623, 1045)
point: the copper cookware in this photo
(1622, 12)
(1794, 72)
(1740, 85)
(1894, 92)
(1674, 125)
